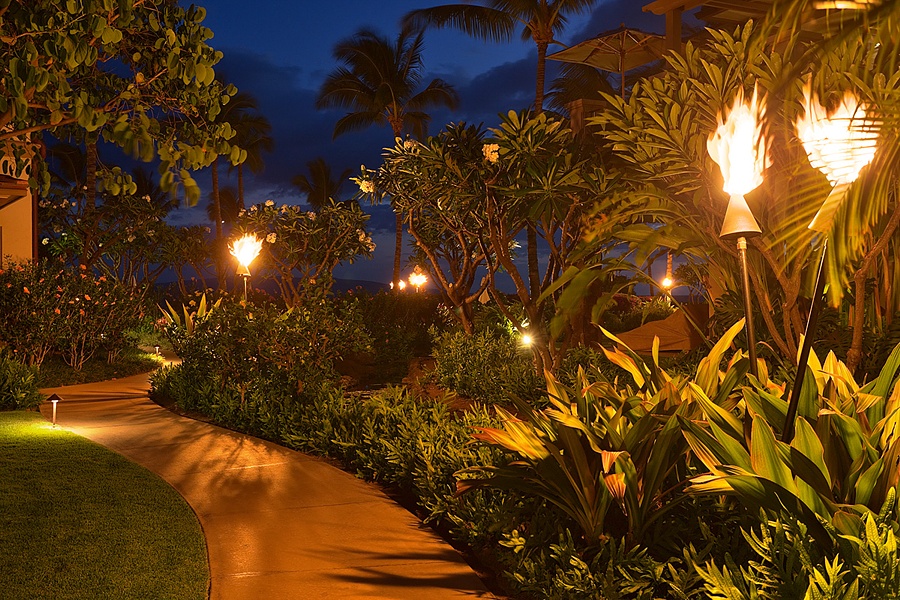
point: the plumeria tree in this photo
(123, 237)
(469, 194)
(302, 248)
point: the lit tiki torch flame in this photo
(245, 250)
(417, 279)
(739, 147)
(839, 145)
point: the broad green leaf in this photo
(765, 457)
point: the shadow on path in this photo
(278, 523)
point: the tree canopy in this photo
(138, 73)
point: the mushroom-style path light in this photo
(839, 145)
(739, 147)
(245, 249)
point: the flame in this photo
(739, 147)
(667, 282)
(246, 249)
(839, 144)
(417, 279)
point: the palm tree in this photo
(251, 133)
(577, 82)
(228, 209)
(496, 20)
(379, 82)
(240, 104)
(320, 185)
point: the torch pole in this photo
(245, 278)
(748, 307)
(812, 323)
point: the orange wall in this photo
(16, 237)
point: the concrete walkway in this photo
(278, 523)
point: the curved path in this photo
(278, 523)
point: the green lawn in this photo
(79, 521)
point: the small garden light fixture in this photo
(739, 147)
(245, 249)
(54, 399)
(839, 145)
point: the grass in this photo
(55, 372)
(79, 521)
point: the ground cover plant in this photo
(594, 495)
(18, 384)
(80, 521)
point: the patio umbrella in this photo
(617, 51)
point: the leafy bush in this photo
(252, 353)
(45, 308)
(399, 326)
(485, 367)
(18, 384)
(630, 312)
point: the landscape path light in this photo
(54, 399)
(839, 145)
(245, 249)
(740, 149)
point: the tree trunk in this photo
(398, 251)
(240, 170)
(541, 71)
(854, 354)
(396, 121)
(217, 217)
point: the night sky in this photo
(280, 51)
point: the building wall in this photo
(16, 231)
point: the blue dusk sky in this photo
(280, 51)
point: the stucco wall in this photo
(15, 230)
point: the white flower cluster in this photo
(491, 152)
(271, 238)
(366, 240)
(270, 203)
(366, 186)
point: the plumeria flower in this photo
(270, 203)
(271, 238)
(366, 187)
(45, 241)
(491, 152)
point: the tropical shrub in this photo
(303, 247)
(399, 326)
(18, 384)
(612, 458)
(44, 308)
(839, 466)
(486, 367)
(260, 349)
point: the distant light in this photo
(527, 340)
(667, 283)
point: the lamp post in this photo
(739, 147)
(839, 145)
(54, 399)
(245, 249)
(417, 279)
